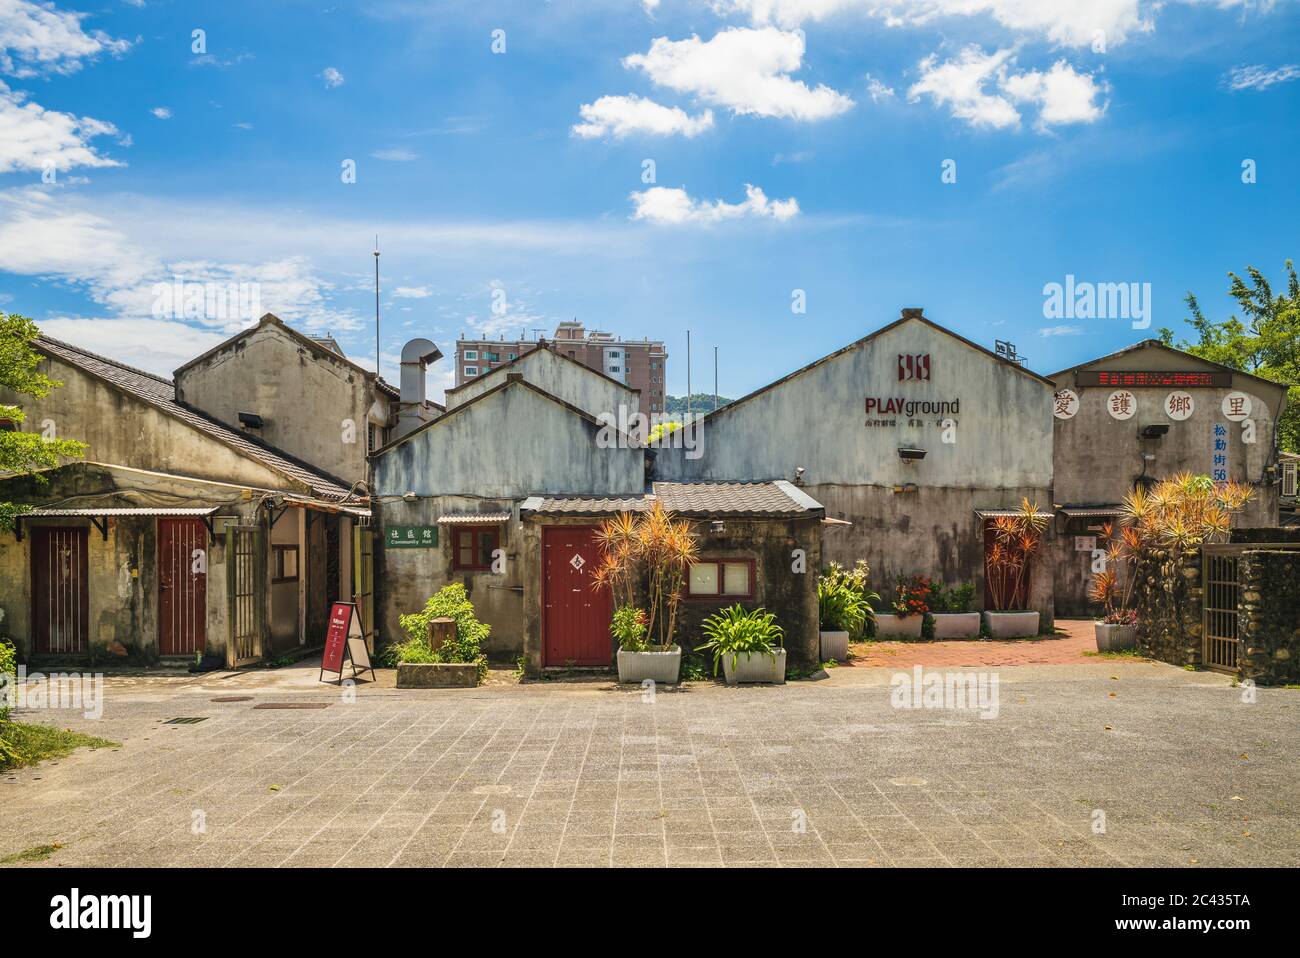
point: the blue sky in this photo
(1105, 143)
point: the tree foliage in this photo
(23, 452)
(1264, 340)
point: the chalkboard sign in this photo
(344, 639)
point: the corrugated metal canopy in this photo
(114, 513)
(1009, 514)
(473, 518)
(1084, 512)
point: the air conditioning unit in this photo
(1289, 478)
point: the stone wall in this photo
(1168, 597)
(1269, 618)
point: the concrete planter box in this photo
(1011, 625)
(1115, 638)
(650, 666)
(755, 667)
(835, 645)
(956, 625)
(437, 675)
(890, 626)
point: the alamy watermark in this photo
(977, 691)
(58, 690)
(220, 302)
(632, 429)
(1076, 300)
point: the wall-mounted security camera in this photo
(1154, 431)
(250, 420)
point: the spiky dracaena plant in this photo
(1015, 539)
(1114, 595)
(1182, 512)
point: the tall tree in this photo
(24, 453)
(1265, 341)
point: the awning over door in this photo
(99, 517)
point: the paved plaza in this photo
(1106, 763)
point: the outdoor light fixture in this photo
(798, 476)
(1154, 431)
(251, 420)
(717, 525)
(910, 454)
(409, 496)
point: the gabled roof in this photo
(325, 348)
(161, 394)
(515, 379)
(770, 500)
(541, 344)
(907, 317)
(1157, 344)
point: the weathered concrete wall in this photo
(410, 576)
(570, 381)
(122, 429)
(816, 421)
(314, 403)
(513, 444)
(1098, 457)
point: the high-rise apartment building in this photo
(639, 363)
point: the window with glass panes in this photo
(472, 546)
(721, 578)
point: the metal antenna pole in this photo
(715, 379)
(688, 376)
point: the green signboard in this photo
(411, 537)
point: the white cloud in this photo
(1260, 77)
(744, 70)
(412, 292)
(665, 205)
(333, 78)
(161, 112)
(395, 155)
(1075, 23)
(877, 90)
(34, 138)
(1061, 331)
(35, 38)
(159, 346)
(1061, 94)
(959, 85)
(621, 116)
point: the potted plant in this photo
(655, 549)
(749, 646)
(950, 610)
(1117, 627)
(457, 662)
(843, 607)
(1015, 539)
(911, 603)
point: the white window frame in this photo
(471, 370)
(470, 354)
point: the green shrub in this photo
(733, 631)
(957, 598)
(9, 692)
(449, 602)
(843, 602)
(629, 627)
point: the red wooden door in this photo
(60, 590)
(182, 586)
(575, 617)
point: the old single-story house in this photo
(1142, 414)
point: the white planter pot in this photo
(1011, 625)
(755, 667)
(890, 626)
(956, 625)
(835, 645)
(1115, 638)
(653, 666)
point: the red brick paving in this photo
(1074, 638)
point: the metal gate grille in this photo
(363, 578)
(246, 587)
(1222, 590)
(60, 589)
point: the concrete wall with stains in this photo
(509, 445)
(818, 421)
(119, 428)
(314, 404)
(571, 381)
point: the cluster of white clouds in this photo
(621, 116)
(35, 139)
(981, 89)
(674, 207)
(1259, 77)
(37, 39)
(332, 77)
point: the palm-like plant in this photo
(842, 599)
(1015, 539)
(1182, 512)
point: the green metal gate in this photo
(246, 593)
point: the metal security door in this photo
(1219, 624)
(246, 592)
(182, 586)
(60, 590)
(576, 617)
(363, 581)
